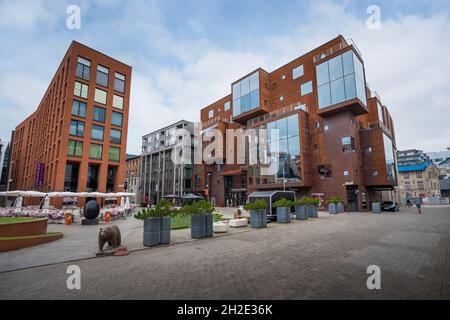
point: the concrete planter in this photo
(283, 215)
(152, 231)
(311, 211)
(300, 213)
(201, 226)
(340, 208)
(165, 230)
(376, 207)
(156, 231)
(258, 219)
(332, 208)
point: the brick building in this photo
(133, 175)
(419, 181)
(336, 138)
(76, 138)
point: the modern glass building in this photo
(317, 120)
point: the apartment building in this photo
(76, 138)
(412, 157)
(160, 176)
(335, 137)
(133, 175)
(421, 180)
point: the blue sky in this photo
(185, 54)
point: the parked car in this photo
(389, 206)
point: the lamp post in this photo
(207, 185)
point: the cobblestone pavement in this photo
(325, 258)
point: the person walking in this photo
(408, 203)
(419, 205)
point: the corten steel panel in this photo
(318, 146)
(45, 134)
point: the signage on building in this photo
(39, 178)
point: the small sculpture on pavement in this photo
(112, 236)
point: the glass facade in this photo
(288, 142)
(340, 79)
(246, 94)
(380, 112)
(390, 159)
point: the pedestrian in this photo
(408, 203)
(418, 206)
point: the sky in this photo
(186, 53)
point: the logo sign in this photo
(39, 178)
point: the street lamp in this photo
(207, 185)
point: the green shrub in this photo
(303, 201)
(334, 200)
(283, 203)
(256, 205)
(315, 202)
(198, 207)
(162, 209)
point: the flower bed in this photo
(53, 215)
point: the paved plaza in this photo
(324, 258)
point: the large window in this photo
(80, 90)
(117, 102)
(92, 178)
(114, 154)
(390, 159)
(297, 72)
(246, 95)
(77, 128)
(99, 114)
(95, 151)
(102, 76)
(116, 119)
(340, 79)
(116, 136)
(111, 179)
(78, 109)
(288, 143)
(75, 148)
(100, 96)
(97, 132)
(119, 82)
(83, 68)
(71, 177)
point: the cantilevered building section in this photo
(336, 138)
(76, 138)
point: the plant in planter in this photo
(283, 210)
(300, 208)
(258, 214)
(201, 213)
(156, 223)
(335, 205)
(312, 207)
